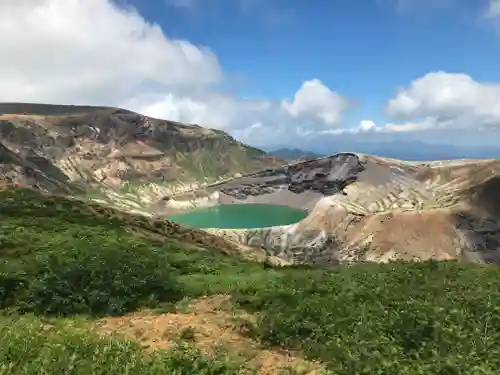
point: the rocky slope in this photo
(366, 208)
(114, 155)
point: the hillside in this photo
(91, 295)
(116, 156)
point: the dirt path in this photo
(213, 325)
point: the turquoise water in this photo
(236, 216)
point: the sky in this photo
(269, 72)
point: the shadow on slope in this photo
(34, 171)
(486, 196)
(479, 221)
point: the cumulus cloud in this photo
(91, 51)
(97, 52)
(369, 126)
(448, 99)
(208, 108)
(317, 100)
(366, 125)
(437, 101)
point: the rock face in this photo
(114, 153)
(366, 208)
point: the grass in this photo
(29, 347)
(59, 261)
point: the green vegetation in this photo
(428, 318)
(31, 347)
(220, 158)
(60, 260)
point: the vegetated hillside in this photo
(46, 212)
(100, 149)
(219, 314)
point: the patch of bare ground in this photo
(214, 326)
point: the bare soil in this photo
(214, 326)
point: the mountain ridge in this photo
(109, 150)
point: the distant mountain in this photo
(420, 151)
(293, 154)
(403, 150)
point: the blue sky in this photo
(363, 49)
(272, 71)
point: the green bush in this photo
(83, 275)
(428, 318)
(29, 348)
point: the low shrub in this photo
(427, 318)
(84, 276)
(30, 347)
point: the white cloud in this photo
(91, 51)
(96, 52)
(216, 112)
(314, 99)
(437, 101)
(406, 127)
(207, 108)
(366, 125)
(451, 100)
(493, 10)
(369, 126)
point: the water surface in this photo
(238, 216)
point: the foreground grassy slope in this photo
(63, 267)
